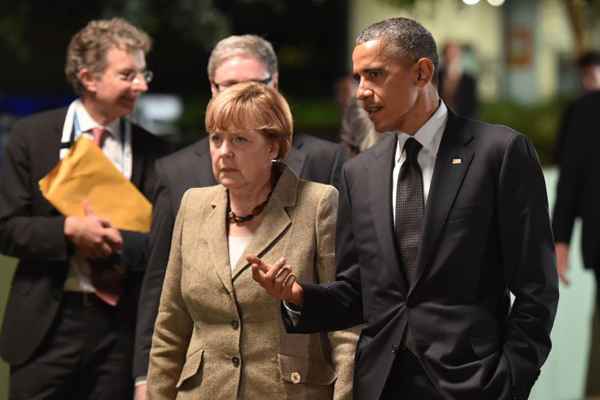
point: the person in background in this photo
(577, 195)
(67, 334)
(457, 87)
(234, 59)
(588, 65)
(218, 335)
(437, 226)
(357, 131)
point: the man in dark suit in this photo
(578, 195)
(234, 59)
(437, 225)
(68, 333)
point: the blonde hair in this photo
(252, 106)
(89, 46)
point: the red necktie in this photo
(99, 134)
(107, 279)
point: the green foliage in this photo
(318, 116)
(538, 121)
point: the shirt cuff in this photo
(294, 312)
(141, 380)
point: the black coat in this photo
(578, 188)
(486, 232)
(32, 230)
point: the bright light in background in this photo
(496, 3)
(470, 2)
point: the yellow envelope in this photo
(87, 174)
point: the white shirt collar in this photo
(86, 122)
(429, 135)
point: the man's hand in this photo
(140, 392)
(93, 236)
(562, 261)
(278, 280)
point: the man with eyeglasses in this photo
(233, 60)
(66, 334)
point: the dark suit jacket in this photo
(486, 232)
(32, 230)
(578, 188)
(311, 158)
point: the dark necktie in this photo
(409, 209)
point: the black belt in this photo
(81, 299)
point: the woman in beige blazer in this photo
(218, 335)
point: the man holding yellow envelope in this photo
(73, 209)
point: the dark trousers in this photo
(408, 380)
(86, 355)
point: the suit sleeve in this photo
(336, 305)
(528, 257)
(173, 325)
(159, 246)
(343, 343)
(22, 234)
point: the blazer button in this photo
(295, 377)
(235, 324)
(395, 349)
(235, 361)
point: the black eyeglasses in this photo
(228, 84)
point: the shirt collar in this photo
(86, 122)
(429, 135)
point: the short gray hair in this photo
(404, 37)
(242, 45)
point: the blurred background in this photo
(520, 53)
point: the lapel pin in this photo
(456, 161)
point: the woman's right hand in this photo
(277, 280)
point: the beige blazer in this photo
(218, 335)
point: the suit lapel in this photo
(448, 176)
(137, 167)
(295, 160)
(276, 220)
(215, 234)
(380, 200)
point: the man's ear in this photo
(274, 149)
(424, 72)
(87, 79)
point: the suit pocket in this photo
(298, 370)
(484, 346)
(463, 213)
(190, 376)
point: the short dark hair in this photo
(404, 37)
(588, 59)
